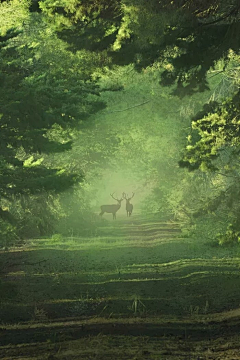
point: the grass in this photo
(135, 269)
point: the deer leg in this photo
(101, 213)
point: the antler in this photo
(125, 196)
(113, 197)
(132, 195)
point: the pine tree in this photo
(45, 91)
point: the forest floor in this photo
(135, 289)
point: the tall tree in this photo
(45, 91)
(187, 37)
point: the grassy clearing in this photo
(132, 270)
(133, 267)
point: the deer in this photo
(129, 207)
(111, 208)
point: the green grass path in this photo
(136, 290)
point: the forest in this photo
(119, 170)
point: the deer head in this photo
(125, 196)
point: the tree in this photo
(144, 32)
(185, 39)
(213, 146)
(40, 101)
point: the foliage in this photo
(13, 14)
(45, 92)
(153, 31)
(57, 238)
(230, 237)
(8, 234)
(35, 216)
(213, 146)
(57, 62)
(75, 213)
(84, 24)
(217, 131)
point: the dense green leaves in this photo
(217, 130)
(45, 91)
(30, 106)
(84, 24)
(188, 38)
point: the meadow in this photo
(134, 289)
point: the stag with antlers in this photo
(111, 208)
(129, 207)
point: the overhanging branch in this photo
(130, 107)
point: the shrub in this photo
(230, 237)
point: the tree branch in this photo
(231, 176)
(216, 73)
(131, 107)
(234, 10)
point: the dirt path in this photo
(185, 328)
(137, 290)
(136, 338)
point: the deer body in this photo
(129, 207)
(112, 209)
